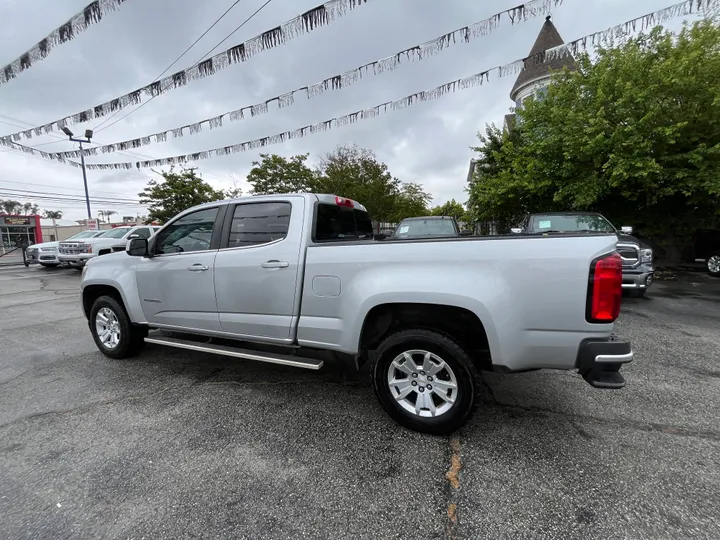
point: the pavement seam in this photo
(453, 488)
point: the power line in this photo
(61, 196)
(198, 62)
(135, 155)
(58, 187)
(221, 17)
(174, 62)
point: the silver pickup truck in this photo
(279, 278)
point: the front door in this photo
(176, 285)
(257, 269)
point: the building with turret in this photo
(533, 81)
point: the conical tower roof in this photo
(548, 38)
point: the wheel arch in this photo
(457, 322)
(91, 293)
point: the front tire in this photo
(713, 264)
(112, 330)
(425, 381)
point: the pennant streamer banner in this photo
(91, 14)
(313, 19)
(37, 153)
(603, 38)
(523, 12)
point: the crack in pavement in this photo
(196, 384)
(453, 487)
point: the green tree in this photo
(411, 201)
(634, 134)
(356, 173)
(10, 206)
(451, 208)
(52, 214)
(175, 193)
(106, 214)
(30, 208)
(278, 174)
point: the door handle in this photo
(275, 264)
(198, 267)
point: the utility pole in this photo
(88, 136)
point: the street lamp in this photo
(88, 136)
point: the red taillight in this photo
(342, 201)
(605, 289)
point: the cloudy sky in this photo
(427, 143)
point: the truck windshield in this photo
(423, 228)
(337, 223)
(569, 223)
(84, 234)
(116, 233)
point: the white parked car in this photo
(46, 253)
(77, 252)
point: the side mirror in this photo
(466, 232)
(516, 230)
(626, 230)
(132, 236)
(137, 247)
(379, 236)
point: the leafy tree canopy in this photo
(451, 208)
(52, 214)
(175, 193)
(634, 134)
(277, 174)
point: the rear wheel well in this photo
(93, 292)
(460, 324)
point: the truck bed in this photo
(529, 292)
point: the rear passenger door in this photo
(257, 269)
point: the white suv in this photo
(77, 253)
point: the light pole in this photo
(88, 136)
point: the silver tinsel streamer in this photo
(317, 17)
(597, 38)
(534, 8)
(78, 23)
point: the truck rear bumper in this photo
(599, 361)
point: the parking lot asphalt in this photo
(176, 444)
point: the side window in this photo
(189, 233)
(341, 223)
(259, 223)
(142, 233)
(363, 225)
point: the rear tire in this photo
(420, 398)
(112, 330)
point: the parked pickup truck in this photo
(76, 253)
(46, 254)
(428, 227)
(637, 257)
(286, 278)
